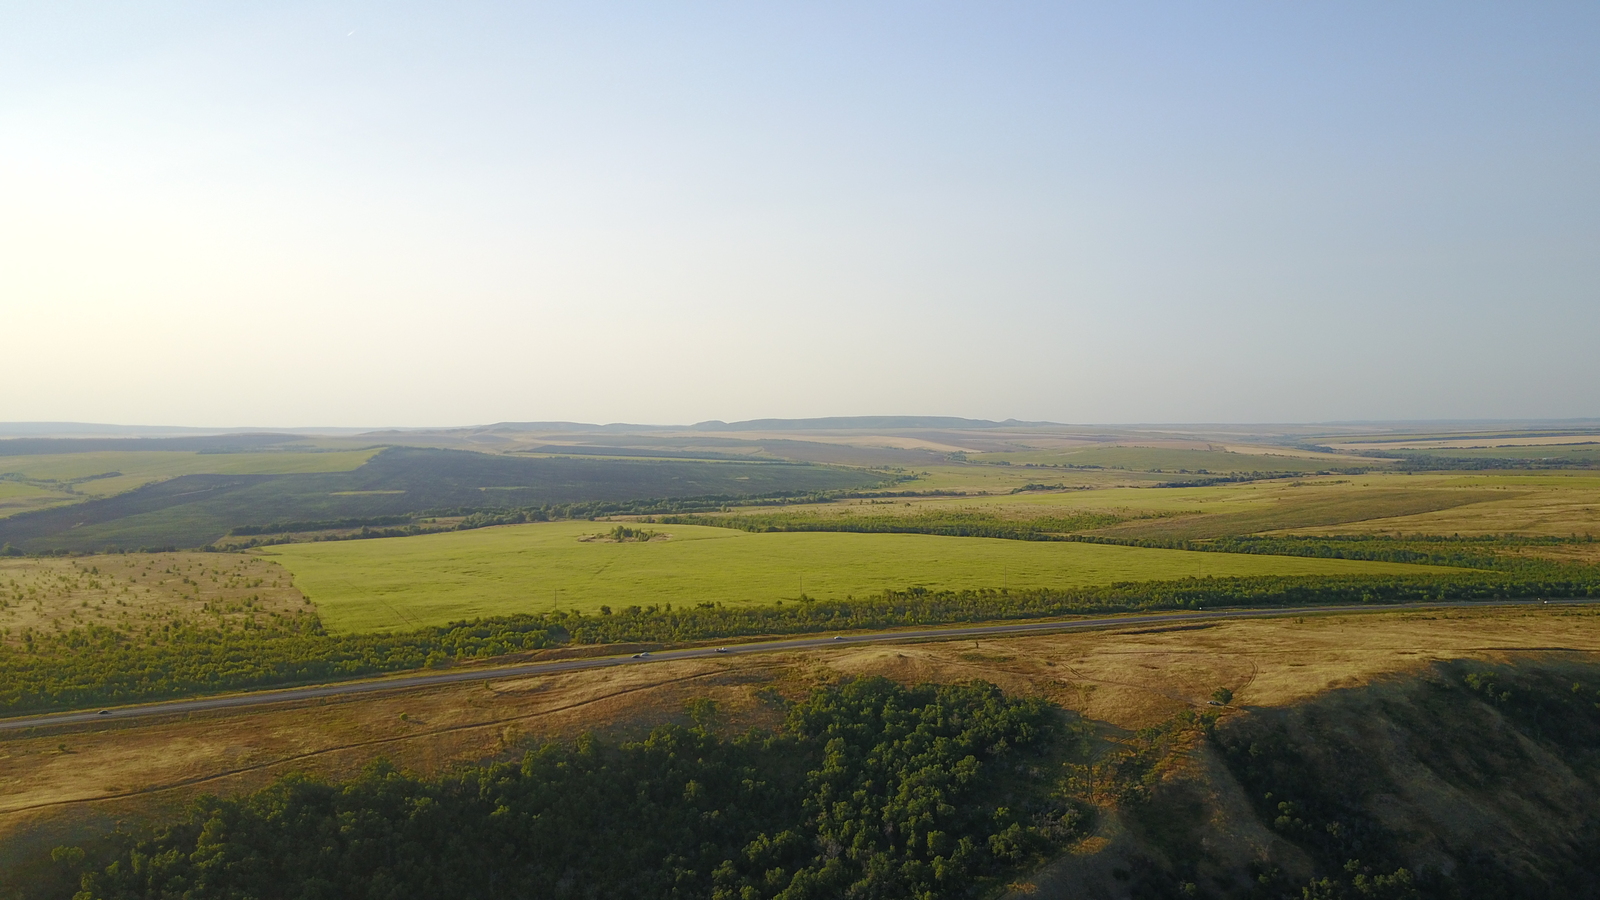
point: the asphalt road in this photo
(434, 679)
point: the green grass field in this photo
(432, 579)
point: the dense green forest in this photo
(95, 665)
(868, 790)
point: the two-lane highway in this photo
(435, 679)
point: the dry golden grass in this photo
(1531, 503)
(1535, 503)
(1435, 503)
(1583, 554)
(139, 591)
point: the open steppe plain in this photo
(1533, 503)
(434, 579)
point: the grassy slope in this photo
(201, 508)
(1311, 512)
(1317, 504)
(17, 497)
(1172, 459)
(1539, 503)
(432, 579)
(141, 467)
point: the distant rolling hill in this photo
(193, 510)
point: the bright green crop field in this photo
(394, 583)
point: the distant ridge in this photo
(11, 431)
(584, 427)
(190, 443)
(856, 423)
(98, 430)
(87, 429)
(823, 423)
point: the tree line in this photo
(95, 665)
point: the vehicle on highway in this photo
(722, 650)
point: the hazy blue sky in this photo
(390, 213)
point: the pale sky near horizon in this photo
(442, 214)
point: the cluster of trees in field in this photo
(1033, 486)
(92, 665)
(622, 534)
(869, 789)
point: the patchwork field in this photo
(1558, 504)
(432, 579)
(196, 509)
(1585, 453)
(1546, 503)
(1215, 459)
(36, 481)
